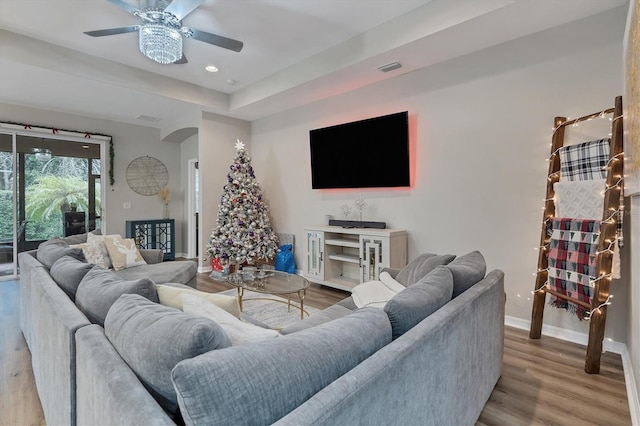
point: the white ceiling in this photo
(295, 51)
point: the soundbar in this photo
(357, 224)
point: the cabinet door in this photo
(315, 255)
(371, 251)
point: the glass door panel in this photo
(7, 217)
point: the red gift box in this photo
(216, 265)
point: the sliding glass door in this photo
(48, 188)
(8, 228)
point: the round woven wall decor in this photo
(147, 175)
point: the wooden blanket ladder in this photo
(608, 233)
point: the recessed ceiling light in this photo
(211, 68)
(231, 82)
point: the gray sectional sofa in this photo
(49, 318)
(426, 358)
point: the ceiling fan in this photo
(161, 31)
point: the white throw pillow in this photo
(123, 253)
(93, 253)
(172, 296)
(238, 331)
(98, 240)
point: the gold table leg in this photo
(240, 294)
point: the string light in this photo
(597, 308)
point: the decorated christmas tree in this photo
(243, 231)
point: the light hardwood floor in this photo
(543, 381)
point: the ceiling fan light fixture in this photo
(160, 43)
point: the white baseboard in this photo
(632, 387)
(202, 269)
(608, 345)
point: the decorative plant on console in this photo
(165, 196)
(243, 231)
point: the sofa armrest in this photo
(109, 393)
(152, 256)
(391, 271)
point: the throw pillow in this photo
(172, 296)
(420, 300)
(52, 250)
(421, 266)
(100, 288)
(68, 272)
(93, 253)
(238, 331)
(467, 270)
(152, 339)
(98, 239)
(123, 253)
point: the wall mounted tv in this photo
(372, 153)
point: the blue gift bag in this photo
(285, 261)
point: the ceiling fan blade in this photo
(181, 8)
(216, 40)
(182, 60)
(113, 31)
(123, 5)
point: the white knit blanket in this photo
(376, 293)
(584, 199)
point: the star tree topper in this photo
(239, 145)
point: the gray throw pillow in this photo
(259, 383)
(467, 270)
(421, 266)
(52, 250)
(100, 288)
(153, 338)
(415, 303)
(67, 272)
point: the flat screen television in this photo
(371, 153)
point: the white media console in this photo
(345, 257)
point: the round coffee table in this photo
(275, 283)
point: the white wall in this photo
(188, 151)
(130, 141)
(480, 133)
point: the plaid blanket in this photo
(584, 161)
(572, 261)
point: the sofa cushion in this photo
(100, 288)
(181, 271)
(67, 272)
(152, 339)
(467, 270)
(239, 332)
(261, 382)
(172, 297)
(421, 266)
(123, 253)
(80, 238)
(52, 250)
(419, 300)
(329, 314)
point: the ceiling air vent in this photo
(390, 66)
(148, 118)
